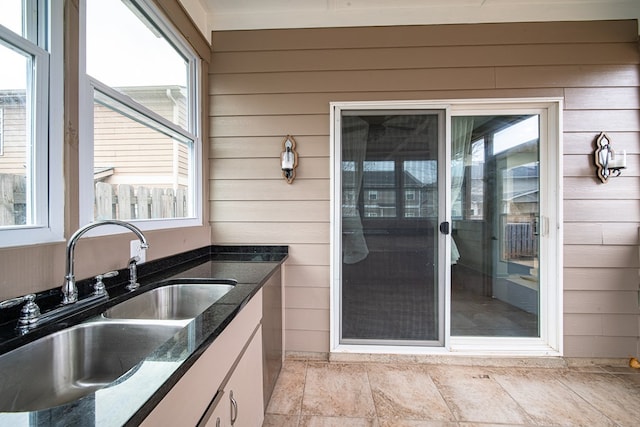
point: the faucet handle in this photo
(29, 313)
(98, 287)
(15, 301)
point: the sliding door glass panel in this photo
(495, 193)
(389, 277)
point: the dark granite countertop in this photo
(129, 399)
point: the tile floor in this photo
(344, 394)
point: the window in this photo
(30, 122)
(1, 131)
(141, 143)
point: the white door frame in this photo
(550, 342)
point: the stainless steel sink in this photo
(74, 362)
(177, 301)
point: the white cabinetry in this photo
(237, 402)
(233, 362)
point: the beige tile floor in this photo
(344, 394)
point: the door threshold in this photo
(449, 358)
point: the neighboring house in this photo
(12, 132)
(125, 152)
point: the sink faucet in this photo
(133, 274)
(69, 289)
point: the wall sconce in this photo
(607, 163)
(289, 159)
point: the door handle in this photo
(444, 227)
(234, 408)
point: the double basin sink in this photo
(75, 362)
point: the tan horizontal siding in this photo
(309, 254)
(596, 98)
(267, 168)
(318, 103)
(359, 81)
(616, 233)
(306, 341)
(268, 125)
(440, 35)
(306, 319)
(567, 76)
(270, 211)
(590, 302)
(311, 298)
(624, 187)
(267, 233)
(614, 278)
(266, 146)
(275, 189)
(602, 210)
(584, 142)
(267, 84)
(600, 346)
(424, 57)
(307, 276)
(598, 120)
(587, 256)
(583, 166)
(606, 324)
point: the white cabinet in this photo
(239, 402)
(232, 362)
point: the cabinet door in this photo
(244, 390)
(189, 399)
(218, 413)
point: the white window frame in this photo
(1, 131)
(550, 342)
(45, 207)
(88, 85)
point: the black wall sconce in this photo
(289, 159)
(607, 162)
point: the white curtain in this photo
(461, 130)
(355, 132)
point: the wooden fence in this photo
(13, 199)
(520, 241)
(125, 202)
(122, 201)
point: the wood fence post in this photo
(143, 200)
(181, 203)
(156, 202)
(104, 201)
(7, 216)
(125, 202)
(168, 204)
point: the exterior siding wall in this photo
(267, 84)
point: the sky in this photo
(111, 56)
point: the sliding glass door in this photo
(389, 227)
(446, 226)
(495, 193)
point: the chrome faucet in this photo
(69, 289)
(133, 274)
